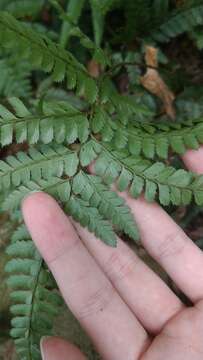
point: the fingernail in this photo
(42, 346)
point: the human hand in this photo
(127, 310)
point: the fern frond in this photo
(15, 78)
(108, 203)
(57, 187)
(180, 22)
(157, 139)
(156, 180)
(103, 203)
(44, 162)
(59, 122)
(89, 216)
(34, 303)
(82, 211)
(148, 138)
(46, 55)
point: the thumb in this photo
(54, 348)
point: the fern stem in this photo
(33, 117)
(98, 23)
(74, 9)
(128, 63)
(41, 262)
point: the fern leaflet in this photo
(59, 122)
(156, 180)
(35, 302)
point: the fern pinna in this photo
(129, 142)
(35, 302)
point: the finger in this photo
(167, 243)
(193, 159)
(53, 348)
(145, 293)
(114, 329)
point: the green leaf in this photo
(44, 54)
(19, 107)
(89, 217)
(170, 185)
(148, 148)
(59, 122)
(177, 145)
(180, 178)
(191, 141)
(71, 164)
(6, 114)
(89, 152)
(179, 22)
(37, 164)
(83, 128)
(124, 180)
(162, 147)
(137, 186)
(199, 197)
(33, 301)
(108, 203)
(98, 120)
(150, 191)
(164, 194)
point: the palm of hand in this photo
(181, 338)
(115, 296)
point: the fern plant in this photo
(129, 140)
(15, 78)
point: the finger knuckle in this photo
(120, 266)
(65, 250)
(172, 244)
(96, 302)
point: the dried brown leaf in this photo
(151, 56)
(153, 82)
(94, 68)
